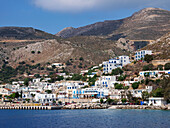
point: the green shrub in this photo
(148, 58)
(118, 86)
(160, 67)
(117, 71)
(167, 66)
(33, 52)
(123, 100)
(135, 85)
(81, 58)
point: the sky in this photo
(54, 15)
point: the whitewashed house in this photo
(138, 92)
(45, 98)
(157, 101)
(141, 54)
(5, 91)
(106, 81)
(155, 73)
(117, 62)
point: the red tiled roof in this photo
(8, 89)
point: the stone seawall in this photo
(139, 107)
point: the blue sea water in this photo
(84, 119)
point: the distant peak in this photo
(150, 8)
(148, 11)
(68, 28)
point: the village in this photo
(107, 83)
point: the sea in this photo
(88, 118)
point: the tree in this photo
(33, 52)
(109, 101)
(76, 77)
(80, 66)
(37, 75)
(33, 95)
(14, 95)
(117, 71)
(129, 96)
(165, 84)
(135, 85)
(101, 100)
(118, 86)
(145, 95)
(167, 66)
(126, 87)
(84, 78)
(26, 81)
(148, 58)
(160, 67)
(157, 93)
(81, 58)
(17, 95)
(53, 66)
(123, 100)
(68, 63)
(122, 78)
(59, 78)
(48, 91)
(92, 80)
(148, 67)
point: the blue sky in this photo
(54, 15)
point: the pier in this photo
(32, 107)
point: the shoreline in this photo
(86, 106)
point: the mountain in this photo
(161, 47)
(23, 33)
(147, 24)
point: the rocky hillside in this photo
(23, 33)
(147, 24)
(160, 47)
(92, 49)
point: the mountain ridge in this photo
(24, 33)
(148, 23)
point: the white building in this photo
(5, 91)
(106, 81)
(117, 62)
(157, 101)
(45, 98)
(155, 73)
(90, 93)
(141, 54)
(36, 80)
(138, 92)
(58, 65)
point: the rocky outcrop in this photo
(86, 106)
(160, 47)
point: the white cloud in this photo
(85, 5)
